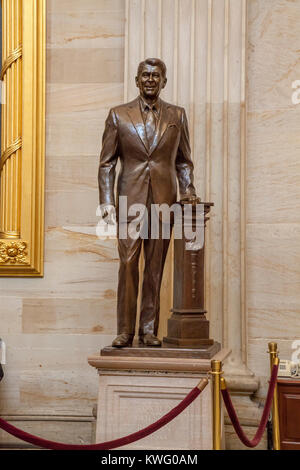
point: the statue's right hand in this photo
(108, 213)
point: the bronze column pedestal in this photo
(188, 327)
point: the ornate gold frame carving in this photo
(22, 138)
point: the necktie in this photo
(150, 126)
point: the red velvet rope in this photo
(104, 445)
(264, 419)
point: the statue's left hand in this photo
(191, 199)
(108, 213)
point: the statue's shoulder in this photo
(174, 109)
(120, 108)
(172, 106)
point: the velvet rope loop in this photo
(264, 419)
(109, 444)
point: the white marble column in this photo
(203, 44)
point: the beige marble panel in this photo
(10, 315)
(82, 97)
(71, 430)
(279, 320)
(273, 53)
(84, 6)
(76, 264)
(85, 65)
(76, 134)
(85, 29)
(273, 121)
(64, 315)
(71, 173)
(87, 265)
(49, 374)
(273, 279)
(74, 207)
(273, 170)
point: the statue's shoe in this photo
(149, 340)
(122, 341)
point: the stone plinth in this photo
(137, 350)
(135, 391)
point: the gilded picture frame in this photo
(22, 138)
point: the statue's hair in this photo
(159, 63)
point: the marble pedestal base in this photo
(136, 391)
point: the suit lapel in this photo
(161, 127)
(137, 120)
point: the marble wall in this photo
(273, 180)
(52, 325)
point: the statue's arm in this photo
(184, 164)
(108, 161)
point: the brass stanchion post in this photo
(216, 371)
(275, 415)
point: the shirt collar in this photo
(145, 106)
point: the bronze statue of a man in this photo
(151, 139)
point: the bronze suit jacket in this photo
(168, 157)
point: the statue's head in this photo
(151, 78)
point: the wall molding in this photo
(73, 429)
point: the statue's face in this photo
(150, 81)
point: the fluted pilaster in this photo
(11, 132)
(203, 44)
